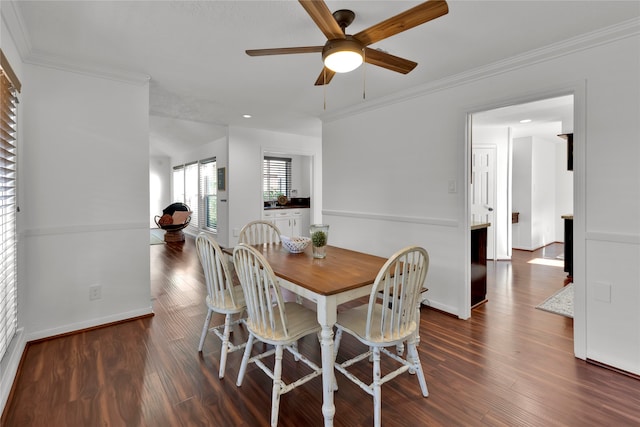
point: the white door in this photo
(483, 192)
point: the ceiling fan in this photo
(343, 52)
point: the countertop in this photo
(567, 216)
(269, 208)
(479, 225)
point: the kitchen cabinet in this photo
(290, 222)
(478, 263)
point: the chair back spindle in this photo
(399, 283)
(265, 305)
(259, 233)
(217, 271)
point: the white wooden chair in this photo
(222, 296)
(272, 321)
(259, 232)
(389, 319)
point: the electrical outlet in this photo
(452, 187)
(95, 292)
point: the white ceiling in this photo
(193, 52)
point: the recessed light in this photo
(525, 121)
(246, 116)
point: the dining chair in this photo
(390, 319)
(272, 321)
(259, 232)
(223, 296)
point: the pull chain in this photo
(324, 89)
(364, 75)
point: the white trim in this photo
(16, 27)
(20, 35)
(612, 237)
(606, 35)
(578, 89)
(441, 222)
(443, 307)
(91, 323)
(100, 71)
(84, 228)
(10, 365)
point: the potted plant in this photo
(319, 237)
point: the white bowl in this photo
(295, 245)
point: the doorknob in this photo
(489, 208)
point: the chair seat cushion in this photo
(301, 321)
(180, 217)
(354, 321)
(228, 306)
(165, 219)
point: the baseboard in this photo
(89, 324)
(10, 367)
(613, 368)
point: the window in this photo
(195, 185)
(9, 88)
(277, 177)
(178, 184)
(208, 194)
(191, 192)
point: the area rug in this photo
(560, 303)
(157, 236)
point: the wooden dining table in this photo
(342, 276)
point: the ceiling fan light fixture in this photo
(342, 55)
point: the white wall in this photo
(534, 192)
(301, 169)
(522, 200)
(246, 151)
(84, 200)
(419, 143)
(160, 174)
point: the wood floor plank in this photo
(510, 364)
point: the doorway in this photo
(532, 185)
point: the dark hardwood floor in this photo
(509, 365)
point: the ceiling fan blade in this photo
(406, 20)
(323, 18)
(388, 61)
(284, 50)
(325, 74)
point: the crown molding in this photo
(586, 41)
(92, 70)
(12, 18)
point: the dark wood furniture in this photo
(568, 245)
(478, 264)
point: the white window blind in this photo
(208, 194)
(10, 86)
(178, 183)
(191, 192)
(277, 177)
